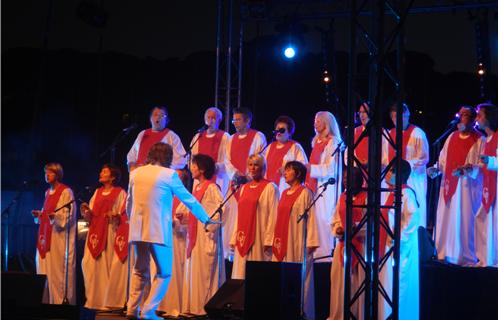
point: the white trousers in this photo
(162, 257)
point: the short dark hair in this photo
(491, 113)
(115, 172)
(161, 153)
(163, 108)
(246, 113)
(299, 169)
(291, 125)
(473, 112)
(206, 164)
(405, 172)
(394, 107)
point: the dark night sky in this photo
(165, 29)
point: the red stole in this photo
(274, 160)
(361, 149)
(406, 136)
(97, 233)
(281, 235)
(192, 220)
(148, 140)
(45, 230)
(121, 240)
(316, 153)
(210, 146)
(489, 176)
(239, 150)
(176, 203)
(458, 149)
(359, 199)
(246, 225)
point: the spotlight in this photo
(326, 77)
(480, 69)
(290, 52)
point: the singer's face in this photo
(239, 122)
(105, 176)
(50, 177)
(481, 119)
(255, 170)
(211, 120)
(466, 117)
(319, 124)
(406, 118)
(158, 119)
(282, 137)
(196, 173)
(363, 115)
(289, 175)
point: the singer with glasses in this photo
(105, 259)
(459, 194)
(255, 221)
(157, 133)
(212, 141)
(281, 151)
(288, 240)
(323, 165)
(415, 151)
(56, 238)
(244, 142)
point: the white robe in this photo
(295, 153)
(337, 278)
(324, 206)
(266, 215)
(54, 264)
(201, 279)
(486, 228)
(295, 246)
(230, 213)
(455, 220)
(221, 173)
(172, 301)
(100, 292)
(179, 160)
(417, 154)
(408, 262)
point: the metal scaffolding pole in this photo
(379, 39)
(228, 76)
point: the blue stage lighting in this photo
(289, 52)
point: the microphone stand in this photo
(337, 150)
(189, 151)
(220, 233)
(112, 148)
(6, 217)
(304, 216)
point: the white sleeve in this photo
(65, 215)
(259, 142)
(441, 165)
(179, 159)
(187, 198)
(132, 156)
(129, 198)
(222, 155)
(270, 197)
(299, 153)
(420, 158)
(211, 201)
(229, 167)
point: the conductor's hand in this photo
(211, 221)
(36, 213)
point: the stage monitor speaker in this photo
(273, 290)
(21, 289)
(228, 301)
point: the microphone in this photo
(281, 130)
(203, 128)
(239, 180)
(131, 127)
(330, 181)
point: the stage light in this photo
(290, 52)
(326, 77)
(480, 69)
